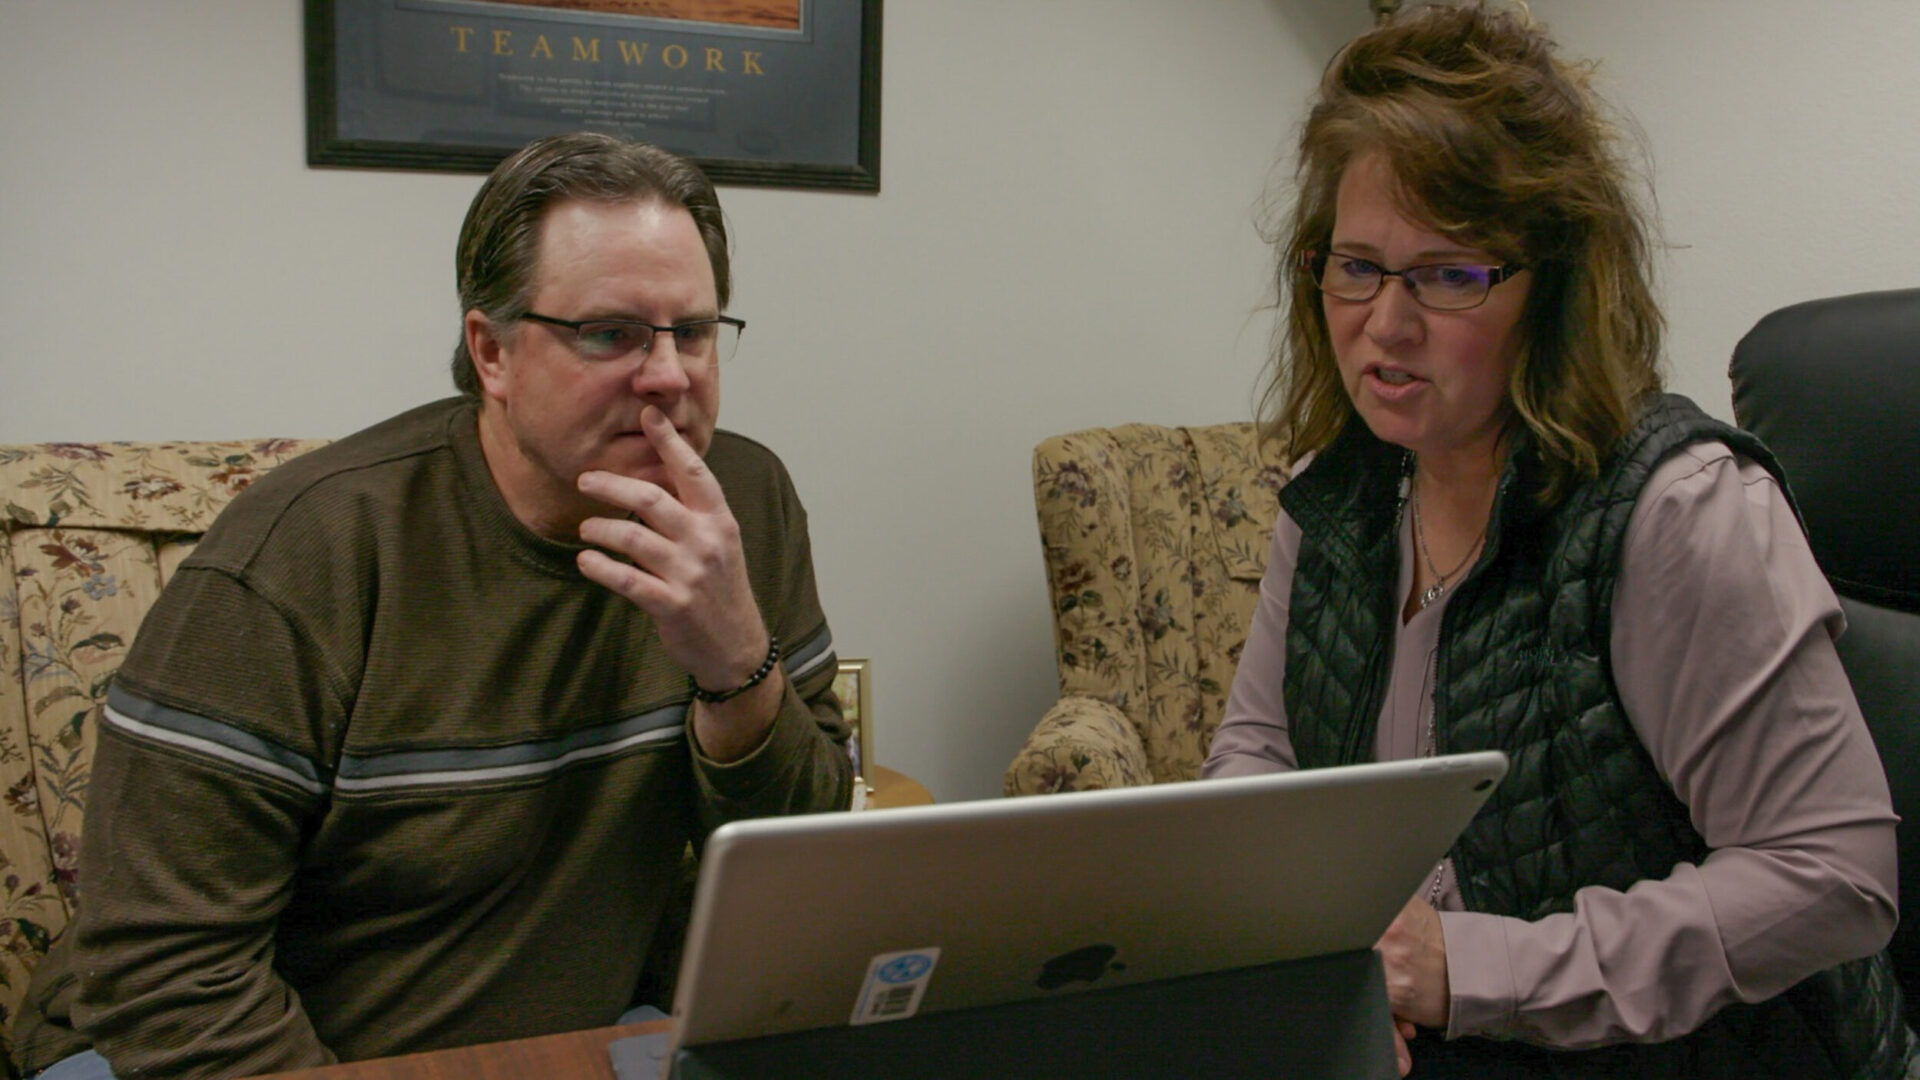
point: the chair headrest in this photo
(1833, 388)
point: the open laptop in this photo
(836, 919)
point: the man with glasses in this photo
(408, 753)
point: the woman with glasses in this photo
(1501, 534)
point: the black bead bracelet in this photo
(753, 680)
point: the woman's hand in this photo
(1414, 953)
(1403, 1034)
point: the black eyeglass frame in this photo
(646, 348)
(1315, 262)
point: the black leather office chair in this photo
(1833, 387)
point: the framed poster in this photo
(782, 93)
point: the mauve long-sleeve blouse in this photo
(1722, 637)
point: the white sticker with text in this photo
(894, 985)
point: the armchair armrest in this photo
(1082, 744)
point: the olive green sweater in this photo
(383, 773)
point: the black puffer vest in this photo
(1523, 667)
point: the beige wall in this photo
(1066, 238)
(1785, 148)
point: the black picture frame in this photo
(457, 85)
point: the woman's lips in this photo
(1392, 384)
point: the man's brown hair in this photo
(500, 239)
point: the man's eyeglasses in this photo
(1437, 286)
(699, 343)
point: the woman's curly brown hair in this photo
(1498, 144)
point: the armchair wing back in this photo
(91, 532)
(1833, 387)
(1155, 539)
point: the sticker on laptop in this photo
(894, 985)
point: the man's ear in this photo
(487, 353)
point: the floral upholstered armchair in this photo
(1155, 539)
(91, 532)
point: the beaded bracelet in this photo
(759, 676)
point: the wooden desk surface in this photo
(887, 788)
(571, 1054)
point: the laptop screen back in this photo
(830, 919)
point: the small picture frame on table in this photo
(853, 685)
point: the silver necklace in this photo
(1434, 592)
(1440, 581)
(1409, 494)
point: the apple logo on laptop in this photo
(1084, 964)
